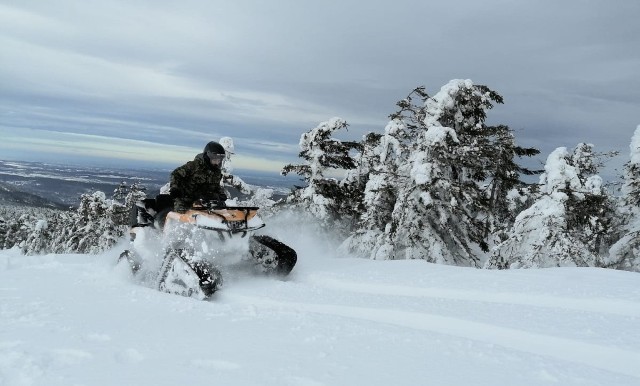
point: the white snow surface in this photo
(336, 320)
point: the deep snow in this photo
(81, 320)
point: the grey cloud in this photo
(264, 72)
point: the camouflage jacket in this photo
(195, 180)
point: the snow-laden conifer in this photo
(427, 196)
(505, 190)
(379, 168)
(250, 195)
(228, 178)
(125, 198)
(625, 253)
(323, 196)
(94, 230)
(568, 225)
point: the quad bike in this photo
(194, 241)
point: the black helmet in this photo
(214, 153)
(214, 148)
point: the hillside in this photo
(13, 196)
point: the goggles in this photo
(215, 158)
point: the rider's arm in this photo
(178, 181)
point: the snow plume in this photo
(301, 231)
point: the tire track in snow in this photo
(598, 305)
(610, 359)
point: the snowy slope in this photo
(80, 320)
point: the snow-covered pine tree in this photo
(92, 228)
(124, 199)
(253, 195)
(385, 158)
(323, 196)
(625, 253)
(34, 230)
(389, 160)
(121, 191)
(95, 230)
(228, 178)
(631, 189)
(136, 193)
(433, 157)
(39, 238)
(355, 207)
(504, 179)
(4, 226)
(61, 226)
(568, 224)
(13, 230)
(18, 230)
(590, 211)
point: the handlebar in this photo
(215, 204)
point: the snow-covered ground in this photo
(81, 320)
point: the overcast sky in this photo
(136, 82)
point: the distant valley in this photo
(60, 186)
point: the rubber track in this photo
(209, 278)
(285, 255)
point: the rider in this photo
(198, 179)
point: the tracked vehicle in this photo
(195, 243)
